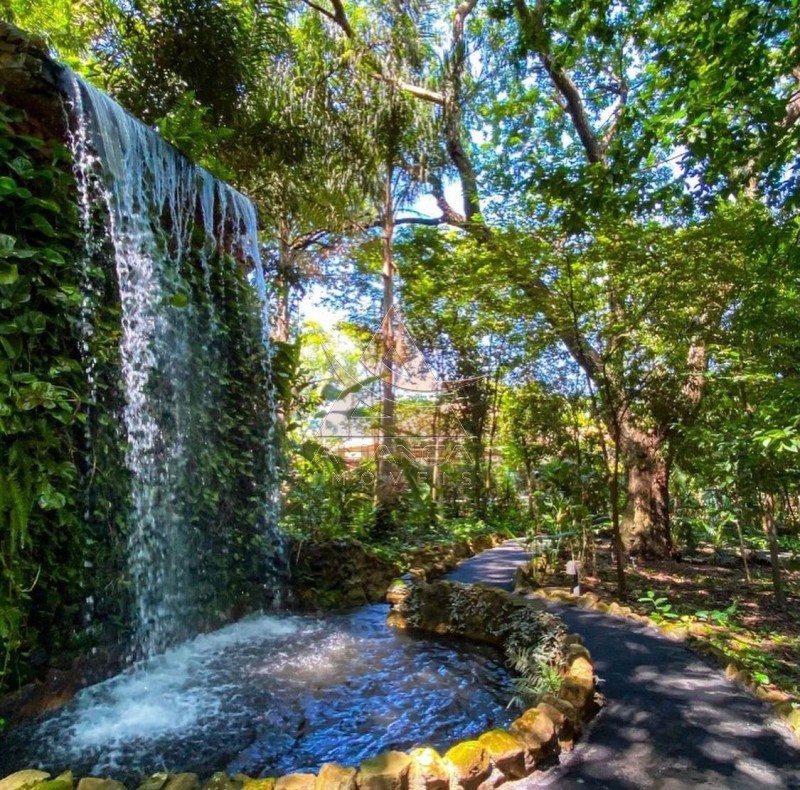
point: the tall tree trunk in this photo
(386, 478)
(645, 527)
(493, 415)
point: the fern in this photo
(539, 674)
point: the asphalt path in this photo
(670, 720)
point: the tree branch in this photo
(617, 113)
(320, 9)
(339, 17)
(533, 25)
(454, 135)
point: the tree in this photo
(577, 131)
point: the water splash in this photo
(154, 202)
(271, 695)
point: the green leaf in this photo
(11, 345)
(7, 186)
(50, 499)
(22, 166)
(52, 256)
(42, 225)
(7, 244)
(8, 273)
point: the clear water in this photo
(145, 202)
(272, 695)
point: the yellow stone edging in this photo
(784, 708)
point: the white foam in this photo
(172, 693)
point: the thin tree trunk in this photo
(492, 432)
(612, 476)
(385, 481)
(616, 527)
(743, 551)
(436, 460)
(280, 331)
(768, 523)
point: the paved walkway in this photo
(671, 720)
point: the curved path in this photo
(670, 721)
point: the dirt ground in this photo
(741, 618)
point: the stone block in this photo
(567, 709)
(508, 752)
(333, 776)
(295, 782)
(154, 782)
(470, 762)
(268, 783)
(184, 781)
(218, 781)
(588, 600)
(581, 671)
(95, 783)
(578, 694)
(21, 780)
(428, 770)
(386, 771)
(537, 730)
(577, 651)
(675, 631)
(63, 781)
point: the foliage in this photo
(43, 392)
(538, 673)
(662, 610)
(615, 285)
(64, 487)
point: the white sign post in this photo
(574, 570)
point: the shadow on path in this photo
(671, 720)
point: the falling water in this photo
(154, 202)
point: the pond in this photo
(271, 695)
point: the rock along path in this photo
(671, 720)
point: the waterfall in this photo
(161, 217)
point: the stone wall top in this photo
(29, 79)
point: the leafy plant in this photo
(662, 609)
(721, 617)
(539, 674)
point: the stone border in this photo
(488, 761)
(784, 708)
(338, 573)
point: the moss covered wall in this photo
(64, 486)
